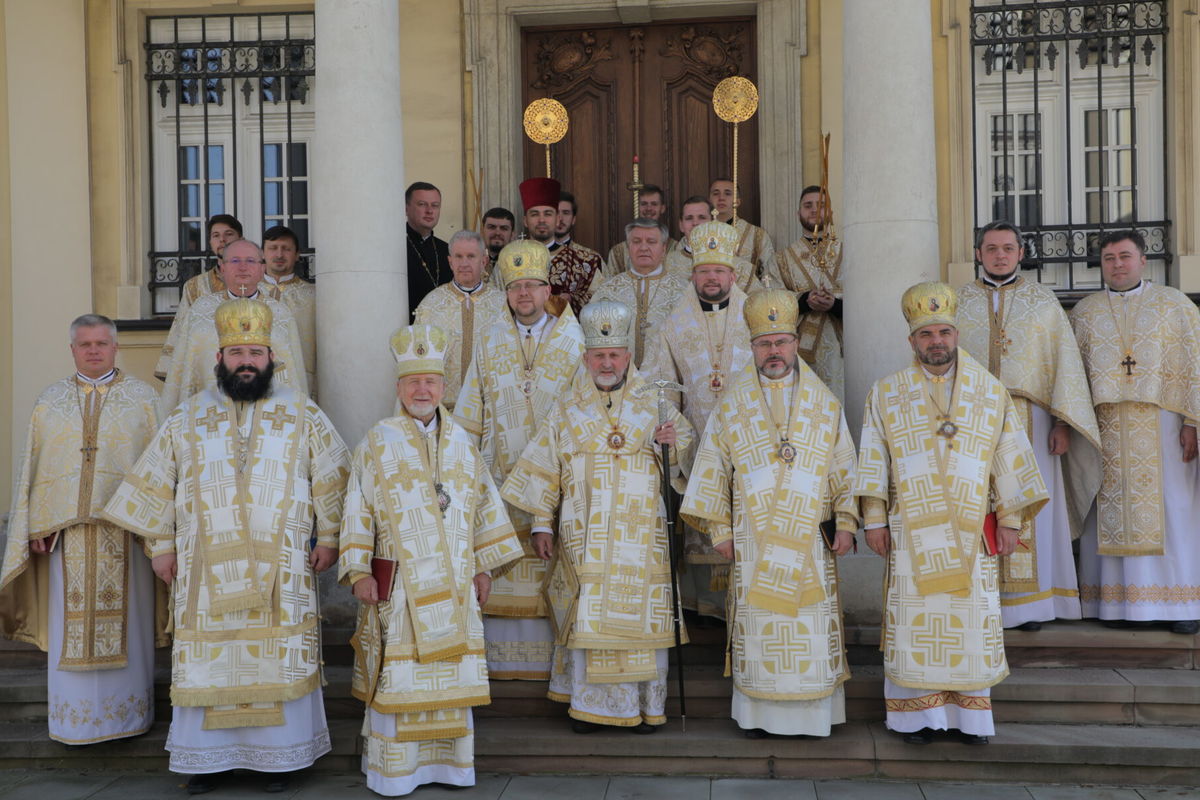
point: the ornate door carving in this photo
(642, 90)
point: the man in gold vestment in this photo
(192, 366)
(1138, 559)
(595, 466)
(776, 462)
(647, 287)
(754, 244)
(462, 307)
(696, 211)
(523, 362)
(72, 584)
(222, 229)
(941, 447)
(812, 267)
(704, 345)
(281, 249)
(1021, 330)
(651, 205)
(421, 499)
(228, 495)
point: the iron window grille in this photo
(231, 108)
(1070, 129)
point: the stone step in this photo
(1020, 752)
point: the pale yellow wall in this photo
(6, 297)
(50, 241)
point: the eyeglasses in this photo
(525, 286)
(771, 344)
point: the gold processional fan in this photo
(546, 122)
(735, 100)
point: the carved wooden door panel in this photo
(642, 90)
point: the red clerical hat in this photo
(540, 192)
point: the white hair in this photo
(92, 321)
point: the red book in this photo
(383, 570)
(989, 534)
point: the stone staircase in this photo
(1084, 703)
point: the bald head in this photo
(242, 266)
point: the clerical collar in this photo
(563, 242)
(777, 383)
(427, 427)
(706, 306)
(1134, 291)
(413, 234)
(465, 290)
(536, 328)
(991, 282)
(233, 296)
(684, 245)
(607, 394)
(654, 273)
(269, 278)
(103, 379)
(947, 377)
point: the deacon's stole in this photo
(819, 334)
(82, 440)
(245, 600)
(1142, 354)
(420, 654)
(1027, 342)
(496, 410)
(787, 640)
(610, 590)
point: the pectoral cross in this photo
(1002, 341)
(1129, 363)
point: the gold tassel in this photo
(718, 580)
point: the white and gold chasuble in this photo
(755, 246)
(462, 315)
(598, 470)
(300, 297)
(1141, 350)
(1041, 367)
(195, 349)
(786, 638)
(502, 407)
(196, 287)
(420, 655)
(234, 496)
(942, 627)
(651, 298)
(819, 333)
(82, 440)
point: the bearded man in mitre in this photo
(523, 362)
(228, 495)
(942, 448)
(596, 466)
(72, 584)
(704, 345)
(1138, 559)
(1019, 326)
(775, 464)
(422, 503)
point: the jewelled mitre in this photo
(419, 350)
(606, 323)
(522, 260)
(929, 303)
(714, 243)
(771, 311)
(243, 321)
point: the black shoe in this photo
(1186, 627)
(583, 726)
(755, 733)
(278, 782)
(202, 784)
(971, 738)
(923, 736)
(1032, 625)
(1125, 624)
(645, 728)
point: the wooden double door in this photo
(643, 90)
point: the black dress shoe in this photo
(755, 733)
(1032, 625)
(1186, 627)
(583, 726)
(278, 782)
(645, 728)
(923, 736)
(971, 738)
(202, 784)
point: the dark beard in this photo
(245, 391)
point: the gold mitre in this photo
(522, 260)
(243, 321)
(929, 303)
(419, 350)
(714, 243)
(606, 323)
(771, 311)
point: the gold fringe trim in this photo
(558, 697)
(425, 734)
(235, 695)
(431, 705)
(718, 580)
(1033, 598)
(620, 722)
(216, 720)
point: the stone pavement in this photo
(61, 785)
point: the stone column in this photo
(890, 226)
(358, 199)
